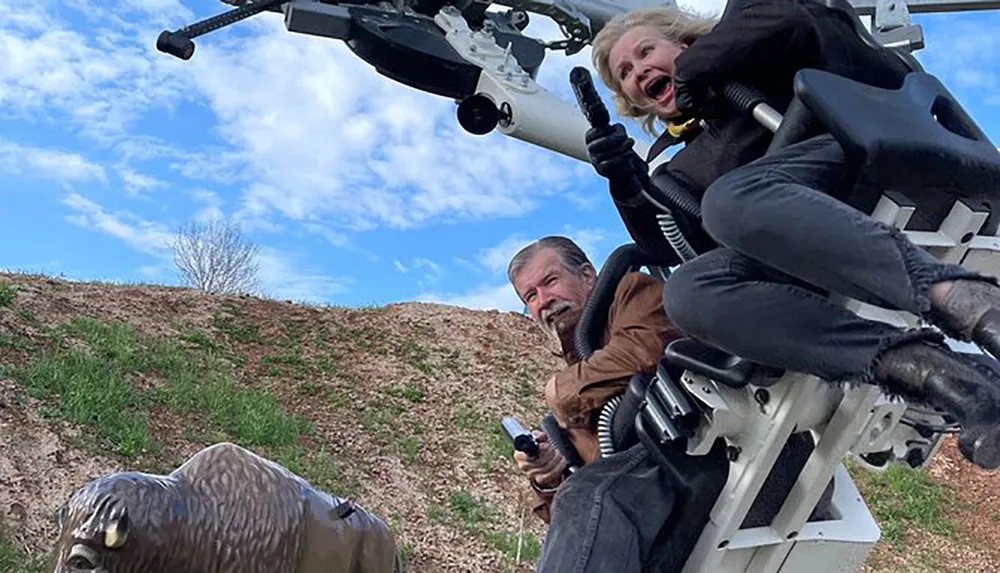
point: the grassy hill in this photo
(397, 407)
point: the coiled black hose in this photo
(616, 423)
(593, 319)
(615, 426)
(671, 196)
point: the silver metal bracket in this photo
(527, 111)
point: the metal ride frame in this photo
(491, 71)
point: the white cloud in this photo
(963, 56)
(211, 209)
(94, 82)
(279, 277)
(327, 137)
(152, 271)
(137, 183)
(64, 166)
(432, 272)
(497, 257)
(144, 236)
(282, 279)
(333, 237)
(311, 136)
(589, 240)
(484, 297)
(467, 264)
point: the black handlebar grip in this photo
(524, 441)
(176, 44)
(588, 98)
(743, 97)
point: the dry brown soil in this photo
(404, 401)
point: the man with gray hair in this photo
(609, 513)
(555, 278)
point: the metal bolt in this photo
(733, 453)
(762, 396)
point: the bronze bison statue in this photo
(225, 510)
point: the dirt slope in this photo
(397, 406)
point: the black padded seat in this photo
(717, 365)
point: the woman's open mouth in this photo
(661, 89)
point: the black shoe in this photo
(971, 312)
(934, 375)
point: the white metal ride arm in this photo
(532, 114)
(527, 111)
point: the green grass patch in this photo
(490, 433)
(290, 361)
(294, 331)
(385, 422)
(13, 559)
(14, 342)
(416, 355)
(901, 497)
(412, 392)
(8, 294)
(229, 320)
(28, 315)
(478, 518)
(107, 377)
(320, 468)
(199, 338)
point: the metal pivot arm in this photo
(489, 69)
(523, 109)
(179, 44)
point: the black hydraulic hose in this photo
(593, 319)
(557, 438)
(669, 192)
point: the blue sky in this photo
(359, 190)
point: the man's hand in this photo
(547, 468)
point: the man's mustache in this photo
(554, 309)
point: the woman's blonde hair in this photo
(673, 23)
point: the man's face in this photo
(550, 289)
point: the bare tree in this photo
(214, 257)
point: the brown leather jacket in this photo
(637, 333)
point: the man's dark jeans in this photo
(610, 514)
(606, 516)
(787, 242)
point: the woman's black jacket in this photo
(763, 46)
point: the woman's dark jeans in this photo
(786, 242)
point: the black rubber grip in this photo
(176, 44)
(743, 97)
(588, 98)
